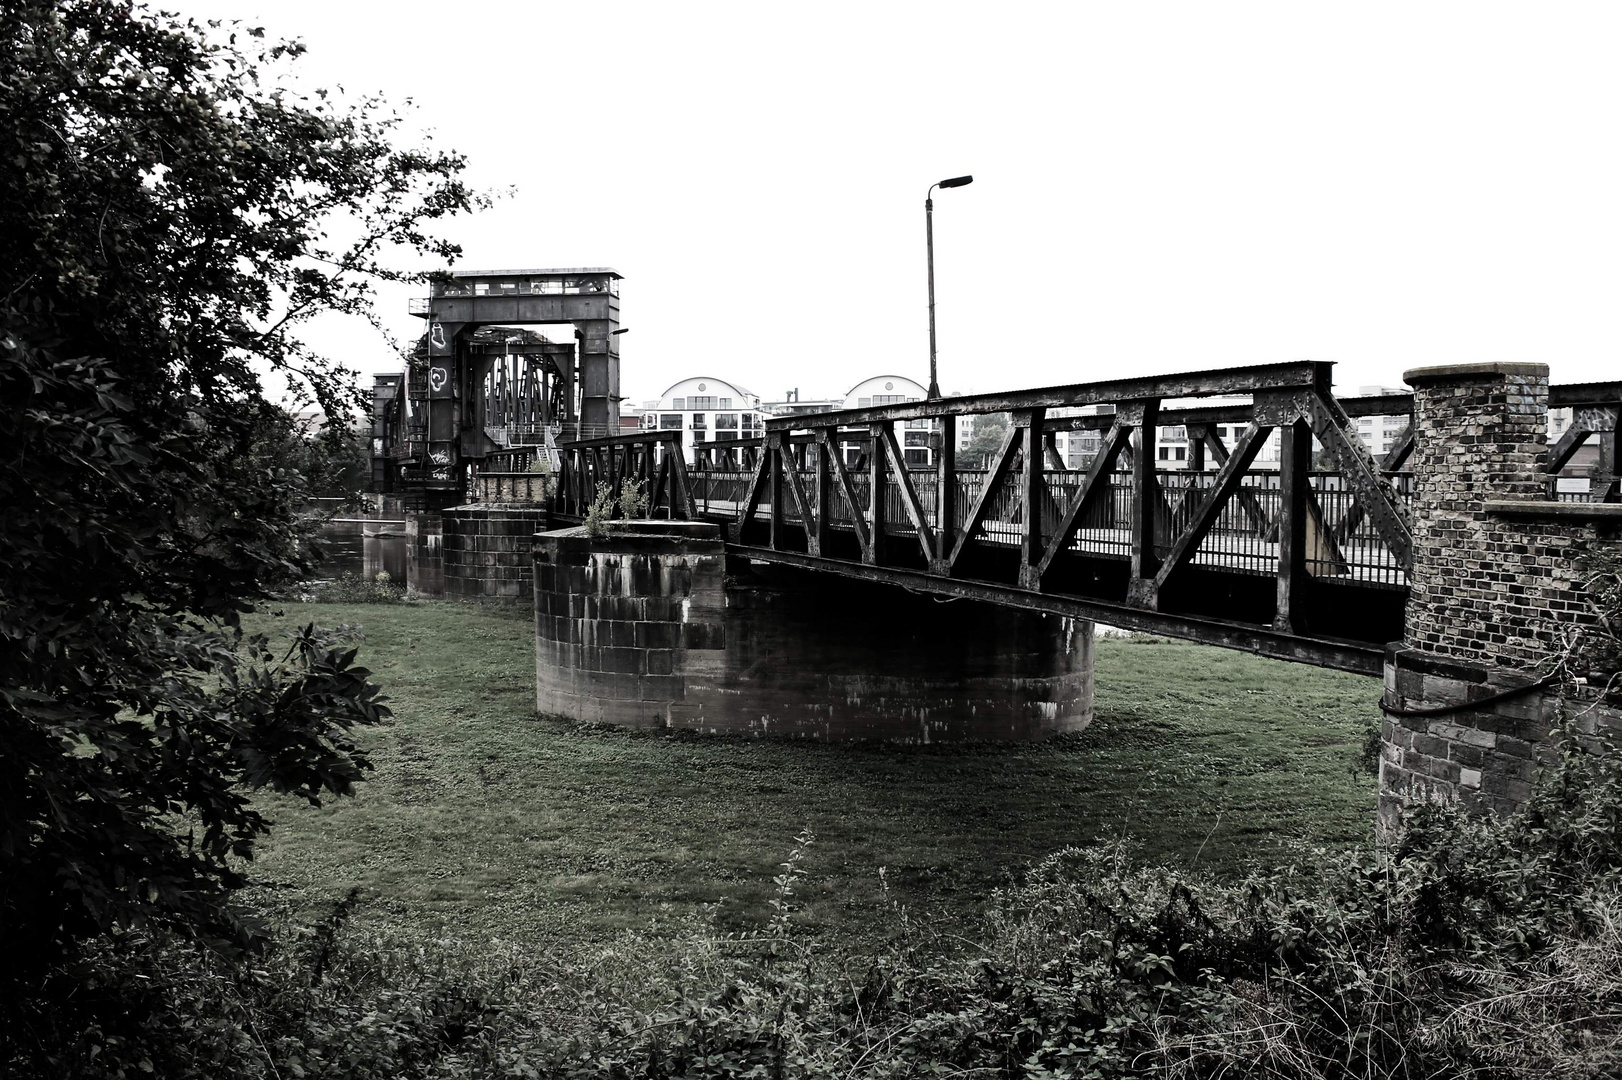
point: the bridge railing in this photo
(652, 458)
(1052, 520)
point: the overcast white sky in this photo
(1158, 187)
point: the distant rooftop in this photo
(562, 271)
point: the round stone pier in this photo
(655, 626)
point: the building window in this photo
(698, 422)
(1182, 453)
(917, 438)
(726, 421)
(678, 403)
(701, 401)
(725, 403)
(670, 421)
(916, 457)
(1165, 453)
(1175, 434)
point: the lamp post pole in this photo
(929, 241)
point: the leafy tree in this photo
(167, 226)
(990, 429)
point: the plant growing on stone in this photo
(631, 502)
(633, 499)
(600, 510)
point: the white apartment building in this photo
(704, 409)
(913, 435)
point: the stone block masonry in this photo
(654, 626)
(425, 554)
(487, 550)
(1496, 597)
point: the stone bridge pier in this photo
(1496, 597)
(655, 626)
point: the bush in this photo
(352, 588)
(631, 502)
(170, 202)
(1472, 947)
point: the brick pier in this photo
(1496, 595)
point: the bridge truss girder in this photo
(1288, 562)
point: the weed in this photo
(354, 589)
(633, 499)
(599, 511)
(631, 502)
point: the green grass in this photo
(485, 819)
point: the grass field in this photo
(485, 819)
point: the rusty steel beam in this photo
(1241, 380)
(1354, 656)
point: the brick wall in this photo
(513, 489)
(619, 620)
(1487, 587)
(1496, 597)
(1488, 755)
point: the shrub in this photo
(1472, 947)
(631, 502)
(350, 588)
(541, 465)
(600, 510)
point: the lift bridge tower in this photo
(478, 383)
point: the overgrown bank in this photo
(1470, 948)
(482, 819)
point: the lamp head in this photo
(956, 181)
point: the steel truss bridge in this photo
(1291, 561)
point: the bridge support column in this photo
(486, 549)
(656, 626)
(1496, 596)
(425, 552)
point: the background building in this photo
(703, 409)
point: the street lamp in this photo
(929, 234)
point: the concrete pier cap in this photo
(655, 625)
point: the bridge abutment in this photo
(1496, 596)
(655, 626)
